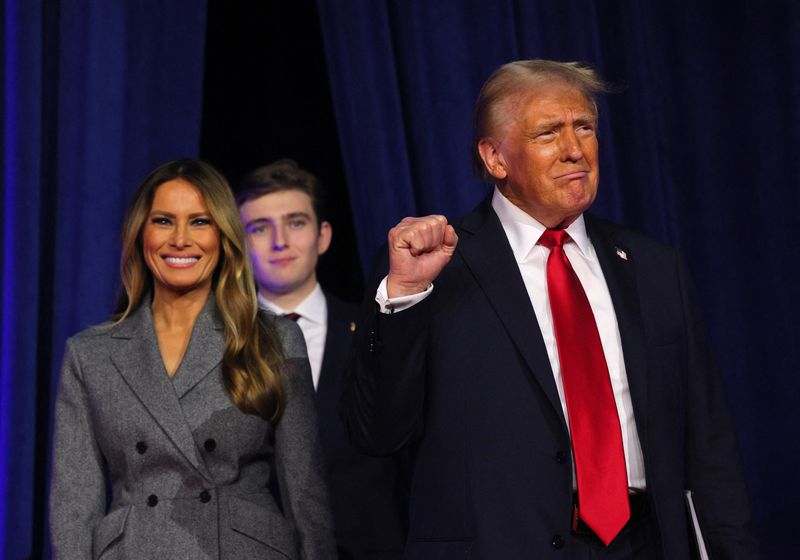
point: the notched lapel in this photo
(138, 359)
(204, 352)
(619, 269)
(486, 252)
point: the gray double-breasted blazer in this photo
(148, 466)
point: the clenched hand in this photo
(419, 248)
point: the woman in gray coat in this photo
(172, 418)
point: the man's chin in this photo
(279, 289)
(579, 201)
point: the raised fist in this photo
(419, 248)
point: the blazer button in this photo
(152, 500)
(210, 444)
(561, 457)
(557, 542)
(205, 496)
(141, 447)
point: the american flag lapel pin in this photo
(622, 254)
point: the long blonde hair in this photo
(251, 364)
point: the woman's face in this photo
(180, 240)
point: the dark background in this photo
(699, 149)
(266, 96)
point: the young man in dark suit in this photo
(280, 207)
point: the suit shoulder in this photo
(91, 344)
(636, 242)
(93, 335)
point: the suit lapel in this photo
(204, 352)
(484, 247)
(138, 360)
(619, 269)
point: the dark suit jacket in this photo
(367, 493)
(187, 470)
(466, 376)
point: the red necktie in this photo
(292, 316)
(593, 420)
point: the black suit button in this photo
(205, 496)
(210, 444)
(561, 457)
(152, 500)
(557, 542)
(141, 447)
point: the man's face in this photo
(545, 156)
(285, 241)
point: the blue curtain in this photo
(700, 150)
(95, 95)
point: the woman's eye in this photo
(201, 222)
(160, 221)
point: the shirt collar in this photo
(523, 230)
(312, 308)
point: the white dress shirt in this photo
(523, 233)
(313, 321)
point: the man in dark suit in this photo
(550, 368)
(280, 207)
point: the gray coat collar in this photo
(137, 357)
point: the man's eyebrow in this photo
(586, 118)
(292, 215)
(548, 123)
(542, 126)
(257, 221)
(558, 121)
(545, 125)
(289, 216)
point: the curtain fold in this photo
(697, 149)
(95, 95)
(22, 184)
(379, 155)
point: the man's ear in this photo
(493, 160)
(324, 237)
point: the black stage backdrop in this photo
(266, 97)
(698, 150)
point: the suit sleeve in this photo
(384, 393)
(77, 490)
(714, 472)
(298, 456)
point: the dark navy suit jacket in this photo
(464, 376)
(368, 494)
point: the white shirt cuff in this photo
(396, 304)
